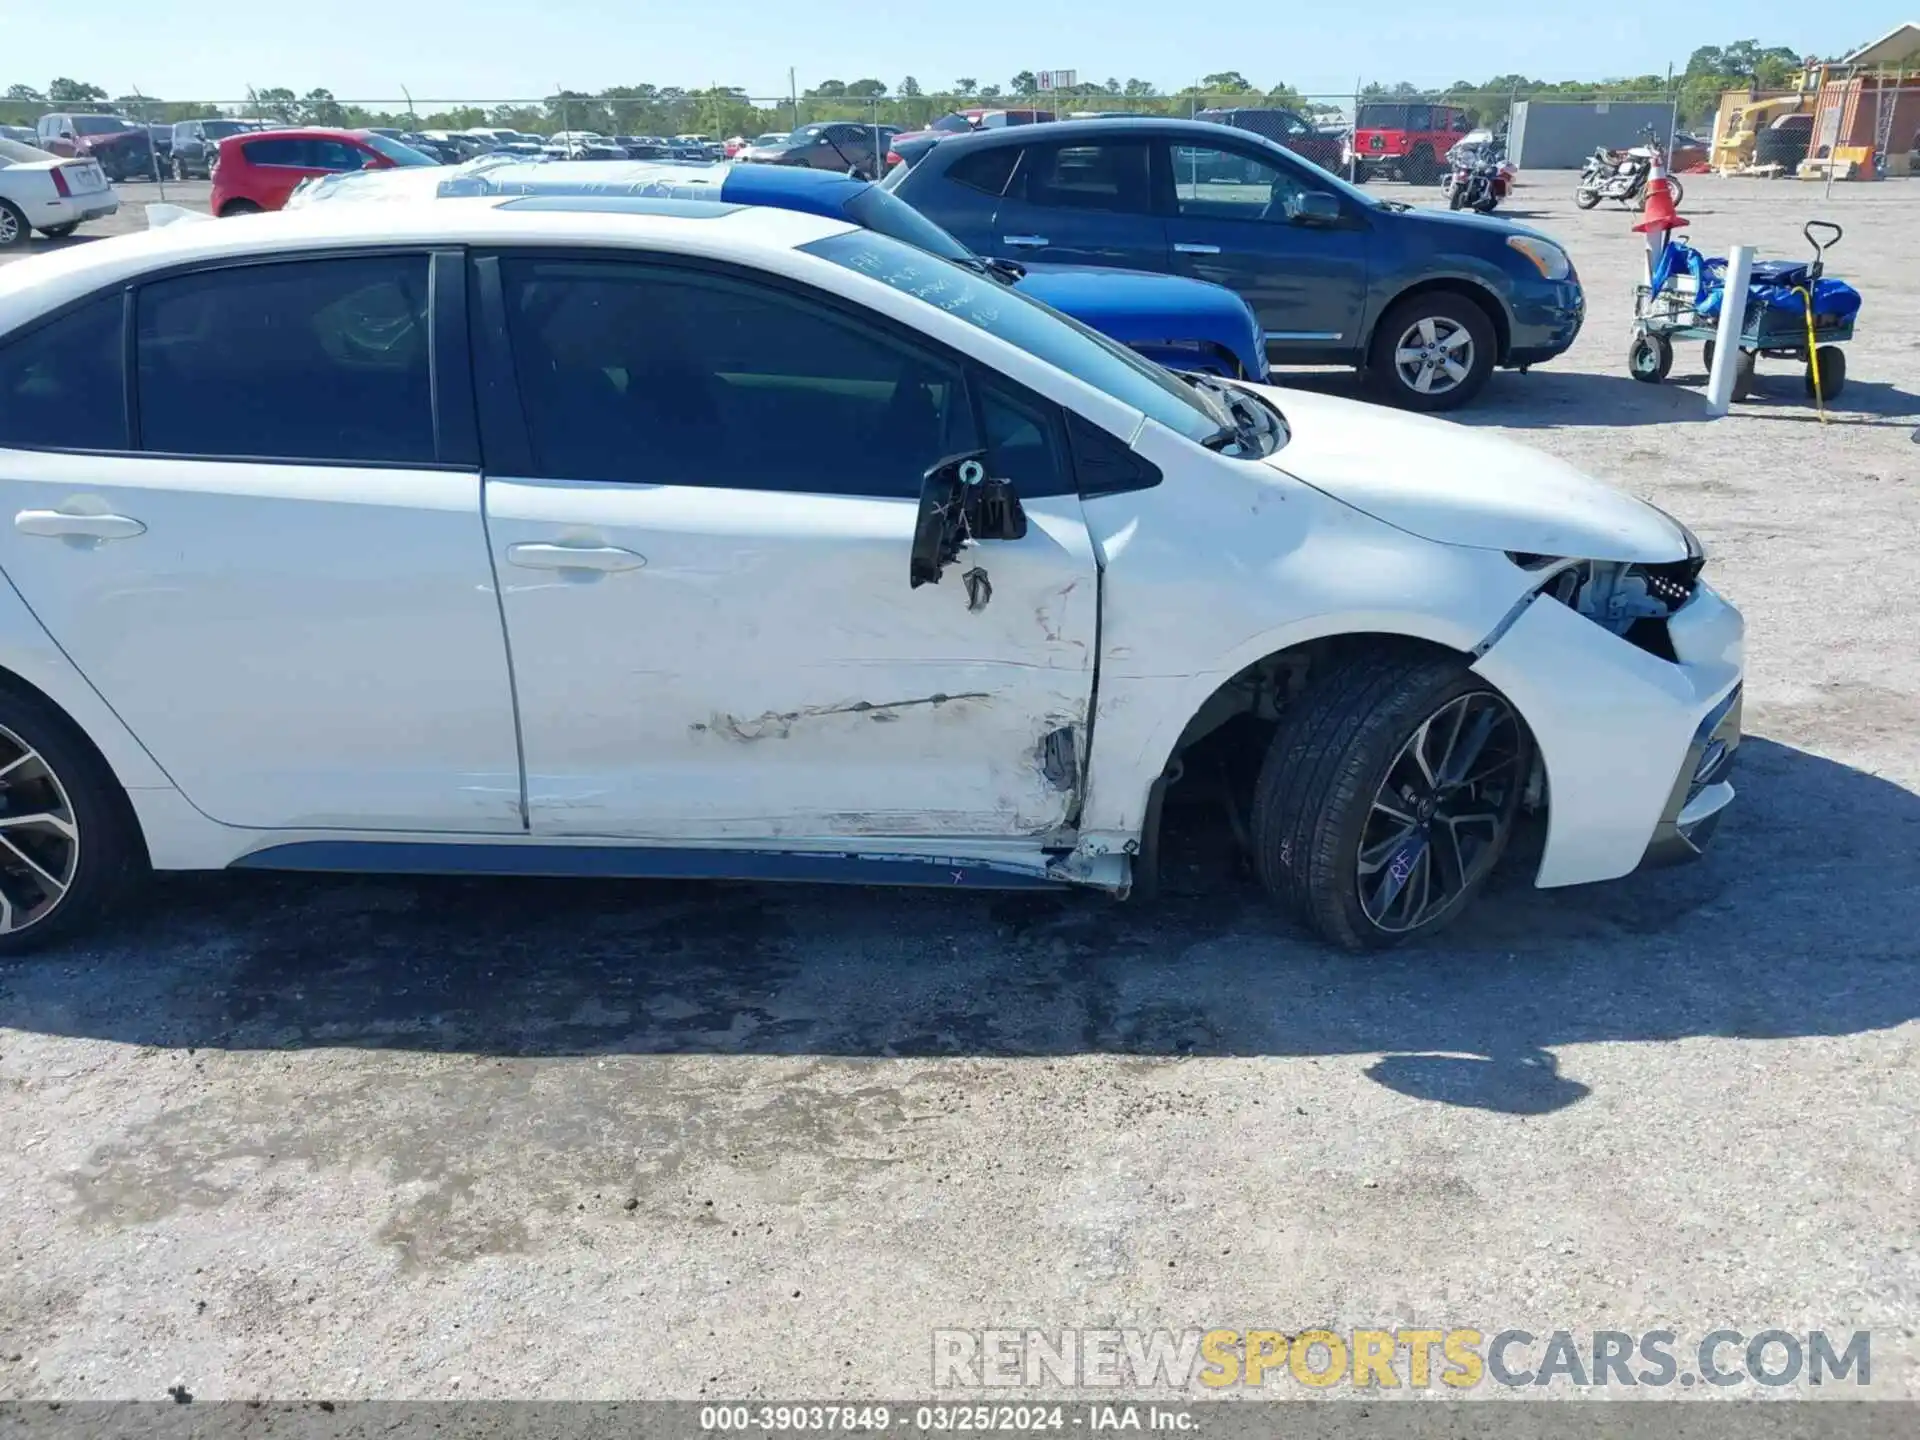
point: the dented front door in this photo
(709, 664)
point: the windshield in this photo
(396, 152)
(952, 124)
(98, 124)
(1020, 320)
(805, 133)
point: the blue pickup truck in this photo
(1179, 322)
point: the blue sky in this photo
(493, 49)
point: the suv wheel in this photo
(1388, 797)
(1432, 352)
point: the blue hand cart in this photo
(1794, 311)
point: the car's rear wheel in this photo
(67, 842)
(1388, 796)
(1432, 352)
(14, 229)
(240, 207)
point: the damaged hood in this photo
(1460, 486)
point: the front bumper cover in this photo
(1621, 731)
(1701, 793)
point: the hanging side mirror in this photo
(960, 504)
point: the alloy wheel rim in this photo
(1441, 813)
(9, 227)
(1435, 355)
(39, 837)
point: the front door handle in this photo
(86, 527)
(1024, 242)
(1183, 248)
(536, 555)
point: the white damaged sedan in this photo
(617, 536)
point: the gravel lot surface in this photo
(293, 1137)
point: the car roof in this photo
(1080, 131)
(748, 234)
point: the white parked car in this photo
(590, 535)
(40, 191)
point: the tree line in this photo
(729, 110)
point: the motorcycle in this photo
(1478, 174)
(1622, 175)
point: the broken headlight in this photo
(1634, 601)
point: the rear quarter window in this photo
(985, 170)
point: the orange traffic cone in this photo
(1661, 214)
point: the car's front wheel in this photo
(1432, 352)
(67, 842)
(1387, 797)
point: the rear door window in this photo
(62, 384)
(286, 150)
(1110, 176)
(310, 360)
(1419, 117)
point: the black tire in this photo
(1419, 168)
(1833, 372)
(1457, 198)
(1335, 750)
(1586, 199)
(107, 853)
(239, 207)
(1384, 373)
(1707, 351)
(14, 229)
(1650, 358)
(60, 232)
(1676, 191)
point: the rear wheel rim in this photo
(39, 836)
(1435, 356)
(1441, 814)
(9, 226)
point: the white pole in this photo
(1726, 347)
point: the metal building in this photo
(1561, 134)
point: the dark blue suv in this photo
(1425, 302)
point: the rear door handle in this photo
(536, 555)
(1183, 248)
(1024, 242)
(89, 527)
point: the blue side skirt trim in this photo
(634, 862)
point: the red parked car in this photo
(259, 170)
(1405, 141)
